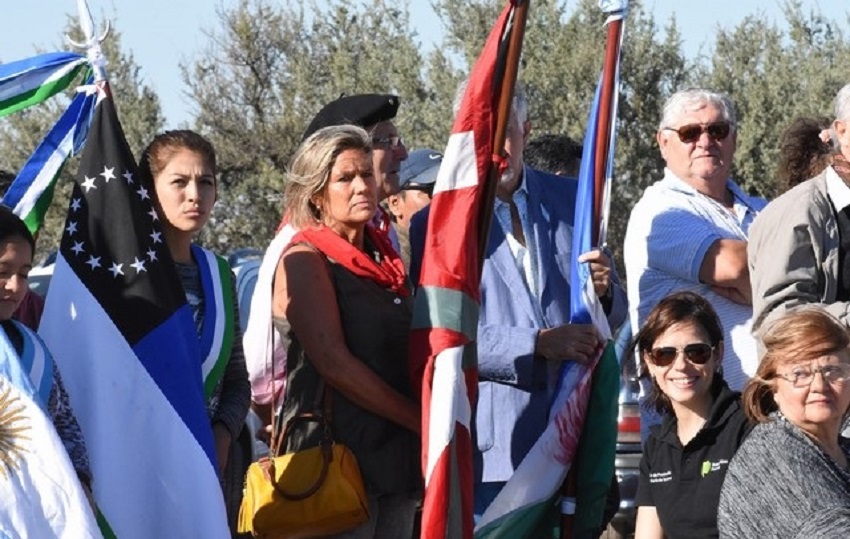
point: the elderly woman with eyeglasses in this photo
(790, 478)
(685, 459)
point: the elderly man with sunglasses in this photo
(689, 230)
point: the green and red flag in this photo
(528, 505)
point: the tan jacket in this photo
(793, 254)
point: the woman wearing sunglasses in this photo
(790, 478)
(684, 461)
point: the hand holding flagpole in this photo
(601, 171)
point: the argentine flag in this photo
(40, 495)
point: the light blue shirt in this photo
(670, 229)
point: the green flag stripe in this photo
(222, 280)
(598, 445)
(524, 522)
(33, 205)
(104, 526)
(31, 94)
(35, 218)
(438, 307)
(36, 77)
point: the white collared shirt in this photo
(525, 256)
(837, 191)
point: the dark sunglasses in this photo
(692, 132)
(697, 353)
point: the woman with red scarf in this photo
(341, 293)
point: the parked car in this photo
(246, 271)
(240, 256)
(39, 276)
(629, 450)
(627, 460)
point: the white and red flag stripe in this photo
(446, 309)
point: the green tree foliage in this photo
(268, 70)
(775, 74)
(563, 53)
(138, 107)
(270, 67)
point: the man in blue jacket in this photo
(524, 332)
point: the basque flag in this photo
(446, 309)
(117, 322)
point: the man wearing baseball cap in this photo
(417, 177)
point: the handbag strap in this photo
(326, 445)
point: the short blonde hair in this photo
(802, 334)
(311, 167)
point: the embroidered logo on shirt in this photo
(708, 466)
(661, 477)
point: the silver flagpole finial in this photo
(612, 6)
(91, 43)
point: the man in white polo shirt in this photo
(689, 230)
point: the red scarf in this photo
(388, 274)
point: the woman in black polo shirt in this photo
(685, 459)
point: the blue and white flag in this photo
(31, 193)
(40, 494)
(120, 329)
(30, 81)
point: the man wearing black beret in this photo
(374, 113)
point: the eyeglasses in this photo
(393, 141)
(803, 376)
(697, 353)
(692, 132)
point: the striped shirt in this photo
(670, 230)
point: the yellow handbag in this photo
(309, 493)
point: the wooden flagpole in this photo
(603, 137)
(605, 124)
(503, 115)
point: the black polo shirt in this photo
(683, 483)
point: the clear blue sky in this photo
(163, 33)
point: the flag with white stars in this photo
(117, 321)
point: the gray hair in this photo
(519, 104)
(694, 99)
(842, 104)
(311, 167)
